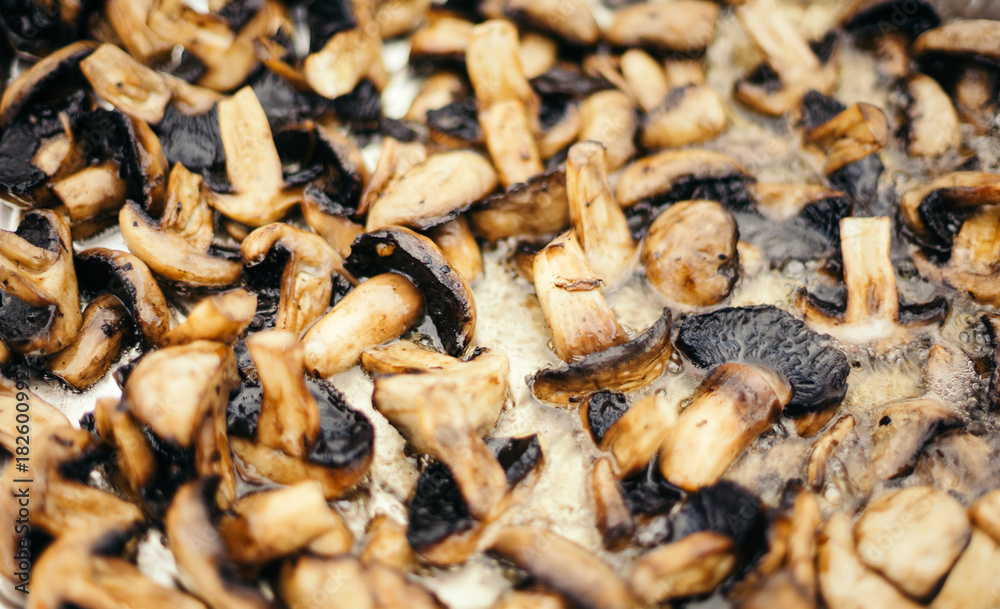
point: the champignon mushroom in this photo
(126, 84)
(975, 96)
(791, 65)
(684, 27)
(970, 582)
(974, 38)
(690, 253)
(763, 361)
(458, 244)
(537, 207)
(348, 59)
(387, 544)
(442, 528)
(613, 519)
(343, 581)
(128, 278)
(442, 42)
(598, 222)
(177, 246)
(103, 337)
(933, 129)
(51, 71)
(824, 449)
(714, 528)
(609, 117)
(300, 266)
(40, 305)
(220, 317)
(204, 568)
(507, 104)
(433, 192)
(252, 164)
(819, 207)
(564, 567)
(447, 296)
(302, 429)
(572, 21)
(634, 436)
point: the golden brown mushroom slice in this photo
(976, 38)
(537, 207)
(252, 164)
(763, 362)
(792, 66)
(933, 129)
(609, 117)
(442, 42)
(296, 268)
(203, 565)
(598, 222)
(43, 415)
(572, 22)
(872, 313)
(347, 59)
(220, 317)
(507, 104)
(970, 583)
(433, 192)
(459, 246)
(690, 253)
(613, 519)
(848, 137)
(52, 69)
(40, 304)
(176, 247)
(343, 581)
(387, 544)
(104, 335)
(924, 551)
(126, 84)
(632, 434)
(685, 27)
(82, 570)
(564, 567)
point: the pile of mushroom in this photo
(603, 307)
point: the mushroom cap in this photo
(771, 338)
(447, 295)
(725, 508)
(56, 69)
(872, 18)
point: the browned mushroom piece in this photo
(221, 317)
(126, 84)
(438, 91)
(848, 137)
(684, 27)
(866, 21)
(387, 544)
(613, 519)
(459, 246)
(50, 70)
(598, 222)
(609, 117)
(61, 504)
(872, 314)
(538, 53)
(531, 599)
(203, 565)
(985, 514)
(632, 434)
(572, 22)
(937, 465)
(975, 96)
(933, 129)
(690, 253)
(442, 42)
(564, 567)
(824, 449)
(252, 164)
(82, 570)
(922, 553)
(104, 335)
(674, 115)
(819, 207)
(974, 38)
(40, 301)
(844, 580)
(792, 66)
(508, 107)
(348, 58)
(340, 231)
(176, 247)
(956, 221)
(343, 581)
(537, 207)
(969, 583)
(296, 268)
(433, 192)
(129, 279)
(394, 161)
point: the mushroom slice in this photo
(904, 429)
(792, 66)
(444, 414)
(977, 38)
(933, 130)
(537, 207)
(570, 294)
(985, 514)
(40, 303)
(387, 544)
(866, 18)
(126, 84)
(634, 438)
(440, 90)
(572, 22)
(628, 366)
(690, 253)
(609, 117)
(975, 96)
(404, 357)
(850, 136)
(343, 582)
(684, 175)
(686, 26)
(128, 20)
(844, 580)
(937, 466)
(824, 449)
(54, 69)
(530, 599)
(598, 221)
(220, 317)
(177, 246)
(458, 244)
(441, 42)
(92, 192)
(295, 267)
(970, 582)
(447, 296)
(434, 191)
(273, 524)
(821, 208)
(378, 310)
(80, 572)
(936, 209)
(443, 529)
(129, 279)
(614, 521)
(763, 361)
(506, 101)
(204, 567)
(346, 60)
(103, 337)
(872, 313)
(924, 549)
(340, 231)
(43, 414)
(136, 463)
(252, 164)
(564, 567)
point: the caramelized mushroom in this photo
(687, 26)
(539, 206)
(103, 337)
(126, 84)
(933, 129)
(609, 117)
(221, 317)
(613, 518)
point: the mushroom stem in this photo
(733, 406)
(868, 271)
(289, 417)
